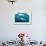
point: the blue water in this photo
(21, 17)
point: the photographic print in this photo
(22, 17)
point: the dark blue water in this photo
(21, 17)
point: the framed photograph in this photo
(22, 17)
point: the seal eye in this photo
(21, 17)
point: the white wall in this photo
(9, 31)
